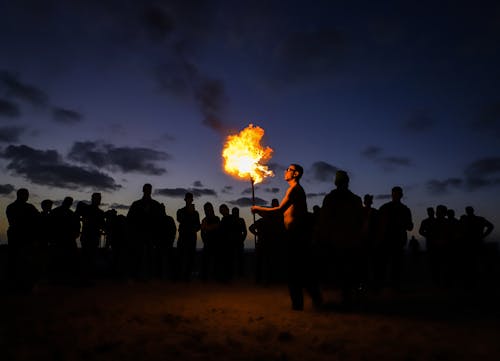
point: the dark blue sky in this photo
(107, 95)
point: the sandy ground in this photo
(242, 321)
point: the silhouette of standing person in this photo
(45, 235)
(229, 230)
(269, 249)
(368, 236)
(210, 235)
(165, 244)
(258, 229)
(440, 254)
(426, 228)
(456, 246)
(395, 220)
(23, 219)
(143, 219)
(475, 229)
(293, 206)
(93, 225)
(339, 231)
(45, 223)
(117, 241)
(66, 231)
(240, 241)
(189, 225)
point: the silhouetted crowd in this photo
(349, 244)
(140, 245)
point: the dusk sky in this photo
(106, 95)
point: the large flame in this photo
(244, 156)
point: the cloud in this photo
(11, 134)
(188, 20)
(257, 188)
(186, 24)
(124, 159)
(391, 162)
(173, 31)
(66, 116)
(420, 121)
(388, 163)
(315, 195)
(482, 173)
(383, 197)
(183, 78)
(181, 192)
(247, 202)
(323, 172)
(198, 192)
(178, 71)
(6, 189)
(436, 187)
(272, 190)
(227, 189)
(9, 109)
(16, 89)
(45, 167)
(197, 184)
(211, 98)
(119, 206)
(172, 192)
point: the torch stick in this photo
(253, 204)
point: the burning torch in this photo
(244, 157)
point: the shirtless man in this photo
(297, 232)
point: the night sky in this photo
(105, 95)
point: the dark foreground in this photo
(163, 320)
